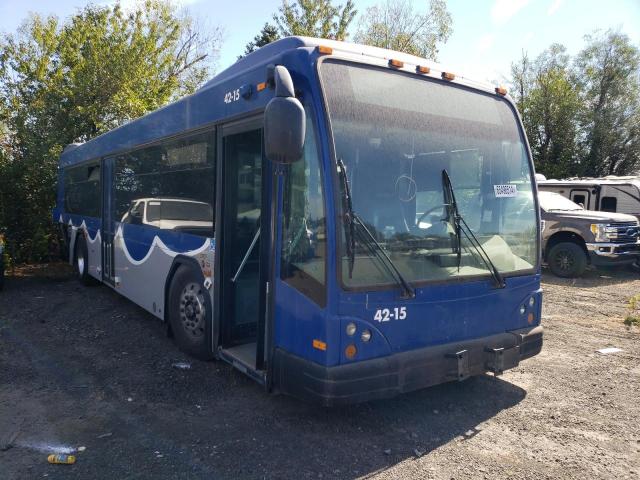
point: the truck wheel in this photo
(189, 313)
(82, 262)
(567, 259)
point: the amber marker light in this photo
(530, 318)
(396, 63)
(319, 345)
(350, 351)
(448, 76)
(261, 86)
(325, 50)
(501, 91)
(422, 69)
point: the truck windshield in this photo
(395, 133)
(550, 201)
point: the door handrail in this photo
(246, 256)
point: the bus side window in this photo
(82, 190)
(173, 183)
(303, 232)
(608, 204)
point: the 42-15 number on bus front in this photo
(388, 314)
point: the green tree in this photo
(268, 34)
(548, 100)
(608, 72)
(396, 26)
(315, 18)
(67, 82)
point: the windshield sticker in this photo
(505, 191)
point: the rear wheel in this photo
(82, 262)
(567, 260)
(190, 314)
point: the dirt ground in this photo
(83, 367)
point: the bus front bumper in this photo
(403, 372)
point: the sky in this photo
(487, 34)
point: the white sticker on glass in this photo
(505, 191)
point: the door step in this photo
(243, 357)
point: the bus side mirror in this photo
(284, 121)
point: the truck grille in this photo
(623, 232)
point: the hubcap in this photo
(192, 310)
(564, 261)
(80, 262)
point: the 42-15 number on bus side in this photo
(232, 96)
(388, 314)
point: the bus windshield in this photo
(396, 133)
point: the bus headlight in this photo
(532, 302)
(366, 335)
(351, 329)
(522, 309)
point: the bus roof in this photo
(189, 112)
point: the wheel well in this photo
(561, 237)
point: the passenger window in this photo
(304, 239)
(608, 204)
(169, 186)
(82, 190)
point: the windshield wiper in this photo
(461, 226)
(351, 220)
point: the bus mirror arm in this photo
(284, 121)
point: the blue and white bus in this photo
(339, 222)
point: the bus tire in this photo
(81, 261)
(190, 313)
(567, 260)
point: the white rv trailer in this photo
(607, 194)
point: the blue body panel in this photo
(440, 313)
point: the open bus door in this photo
(107, 232)
(244, 246)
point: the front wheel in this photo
(567, 260)
(190, 313)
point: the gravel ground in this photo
(83, 367)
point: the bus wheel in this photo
(189, 312)
(82, 262)
(567, 259)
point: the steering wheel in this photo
(422, 217)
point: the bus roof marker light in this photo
(319, 345)
(448, 76)
(395, 63)
(324, 50)
(422, 69)
(501, 91)
(261, 86)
